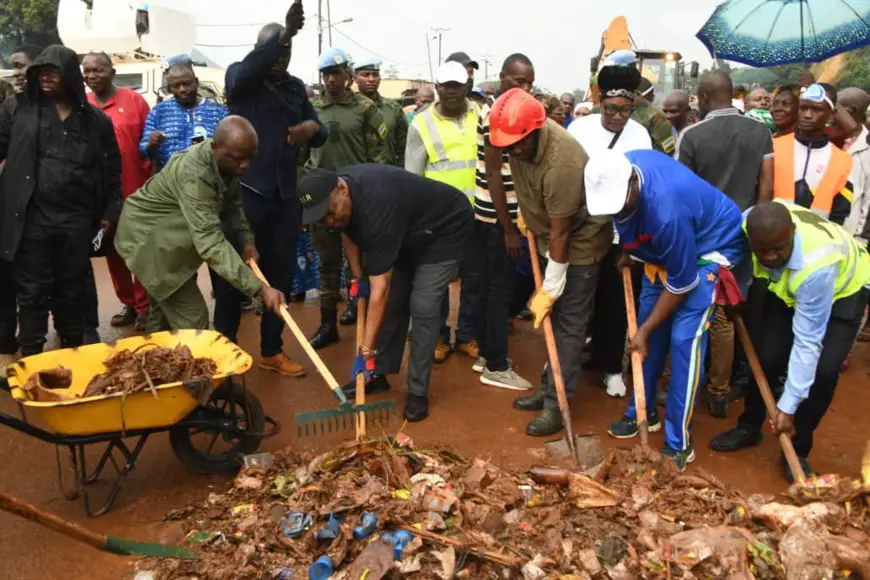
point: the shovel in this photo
(636, 361)
(570, 445)
(346, 415)
(766, 394)
(109, 544)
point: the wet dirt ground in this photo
(475, 419)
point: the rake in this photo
(345, 416)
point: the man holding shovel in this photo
(817, 278)
(547, 167)
(412, 231)
(688, 235)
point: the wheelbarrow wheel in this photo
(235, 412)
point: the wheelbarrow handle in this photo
(303, 342)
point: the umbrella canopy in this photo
(772, 32)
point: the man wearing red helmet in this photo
(547, 165)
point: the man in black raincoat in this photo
(60, 185)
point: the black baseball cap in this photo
(314, 189)
(463, 59)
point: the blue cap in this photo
(177, 59)
(332, 57)
(620, 58)
(367, 64)
(816, 93)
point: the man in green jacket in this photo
(170, 226)
(357, 133)
(653, 119)
(367, 75)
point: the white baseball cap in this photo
(451, 72)
(606, 178)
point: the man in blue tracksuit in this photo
(687, 234)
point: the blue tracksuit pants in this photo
(685, 334)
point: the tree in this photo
(28, 21)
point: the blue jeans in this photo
(275, 223)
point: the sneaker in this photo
(378, 384)
(479, 365)
(681, 458)
(615, 386)
(282, 365)
(442, 351)
(469, 348)
(506, 379)
(718, 406)
(416, 408)
(126, 317)
(626, 428)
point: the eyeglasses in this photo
(624, 111)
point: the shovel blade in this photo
(589, 452)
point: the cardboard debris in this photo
(471, 519)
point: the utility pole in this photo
(319, 27)
(486, 63)
(429, 53)
(439, 32)
(329, 21)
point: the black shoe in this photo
(416, 408)
(547, 422)
(324, 336)
(349, 316)
(378, 384)
(89, 337)
(718, 406)
(126, 317)
(534, 402)
(141, 321)
(735, 439)
(808, 471)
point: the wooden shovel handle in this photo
(766, 394)
(300, 336)
(360, 378)
(51, 521)
(636, 360)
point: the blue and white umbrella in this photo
(765, 33)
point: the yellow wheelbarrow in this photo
(198, 414)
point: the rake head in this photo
(315, 423)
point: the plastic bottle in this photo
(321, 569)
(400, 539)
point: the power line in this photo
(377, 54)
(223, 25)
(225, 45)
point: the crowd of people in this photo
(735, 193)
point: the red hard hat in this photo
(514, 116)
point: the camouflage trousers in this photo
(328, 244)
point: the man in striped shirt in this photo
(496, 241)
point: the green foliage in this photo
(855, 71)
(31, 21)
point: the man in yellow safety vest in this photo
(818, 284)
(442, 145)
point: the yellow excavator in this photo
(663, 68)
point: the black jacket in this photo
(19, 148)
(271, 107)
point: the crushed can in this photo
(368, 524)
(399, 539)
(330, 531)
(295, 523)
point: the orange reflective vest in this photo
(833, 181)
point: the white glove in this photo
(555, 278)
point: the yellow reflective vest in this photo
(452, 151)
(822, 243)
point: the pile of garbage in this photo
(135, 371)
(382, 509)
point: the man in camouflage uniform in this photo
(357, 134)
(654, 120)
(367, 75)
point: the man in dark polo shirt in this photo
(412, 231)
(734, 154)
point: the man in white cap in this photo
(688, 234)
(442, 145)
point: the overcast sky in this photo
(560, 36)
